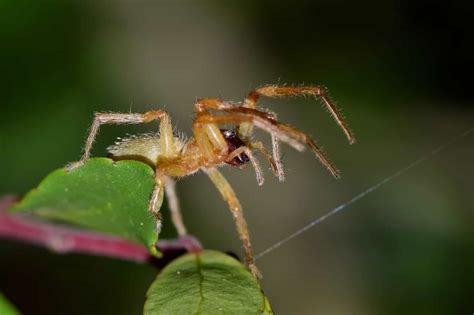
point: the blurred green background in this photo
(401, 72)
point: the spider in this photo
(173, 156)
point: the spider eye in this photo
(229, 133)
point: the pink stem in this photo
(65, 239)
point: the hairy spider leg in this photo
(265, 121)
(173, 202)
(245, 128)
(166, 144)
(282, 132)
(217, 104)
(253, 160)
(234, 205)
(261, 147)
(156, 196)
(206, 137)
(274, 91)
(276, 155)
(117, 119)
(209, 138)
(245, 132)
(168, 150)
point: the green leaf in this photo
(6, 308)
(207, 282)
(103, 195)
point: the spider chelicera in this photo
(174, 156)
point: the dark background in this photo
(400, 70)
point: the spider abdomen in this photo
(143, 147)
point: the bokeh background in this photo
(400, 70)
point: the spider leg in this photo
(201, 107)
(280, 131)
(276, 157)
(253, 160)
(245, 129)
(203, 104)
(167, 152)
(156, 196)
(234, 205)
(176, 217)
(277, 167)
(267, 121)
(115, 118)
(208, 135)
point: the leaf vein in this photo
(201, 280)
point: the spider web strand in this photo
(363, 194)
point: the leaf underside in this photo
(103, 195)
(207, 282)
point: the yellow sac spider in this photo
(172, 156)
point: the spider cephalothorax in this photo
(176, 156)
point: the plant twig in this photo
(62, 239)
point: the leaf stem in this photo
(65, 239)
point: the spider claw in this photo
(72, 165)
(253, 268)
